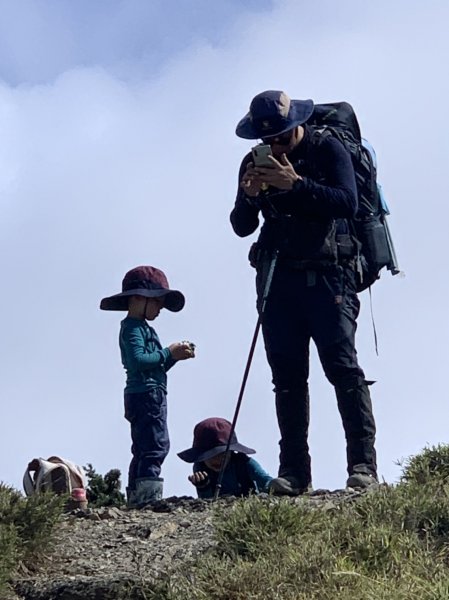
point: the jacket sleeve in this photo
(170, 361)
(336, 196)
(206, 488)
(258, 475)
(245, 214)
(138, 356)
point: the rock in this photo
(110, 512)
(93, 516)
(167, 528)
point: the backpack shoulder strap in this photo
(29, 486)
(37, 475)
(319, 134)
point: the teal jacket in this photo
(242, 476)
(145, 361)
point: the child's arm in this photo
(141, 358)
(258, 475)
(201, 480)
(170, 361)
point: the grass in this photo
(391, 544)
(26, 531)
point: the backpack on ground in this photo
(55, 474)
(370, 240)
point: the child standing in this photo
(145, 291)
(242, 475)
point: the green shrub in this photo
(27, 528)
(429, 465)
(250, 524)
(8, 553)
(104, 491)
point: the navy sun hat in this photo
(272, 113)
(148, 282)
(210, 438)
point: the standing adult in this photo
(304, 197)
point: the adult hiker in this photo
(304, 192)
(145, 291)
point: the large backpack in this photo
(371, 242)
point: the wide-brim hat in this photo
(272, 113)
(148, 282)
(210, 438)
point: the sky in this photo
(117, 148)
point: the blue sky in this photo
(117, 148)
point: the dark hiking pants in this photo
(323, 306)
(147, 413)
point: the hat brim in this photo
(300, 112)
(197, 455)
(174, 300)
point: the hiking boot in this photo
(288, 486)
(148, 489)
(361, 480)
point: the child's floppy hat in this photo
(148, 282)
(210, 437)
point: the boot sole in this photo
(356, 483)
(282, 490)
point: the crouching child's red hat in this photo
(210, 438)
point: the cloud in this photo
(40, 39)
(101, 172)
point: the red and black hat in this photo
(148, 282)
(210, 437)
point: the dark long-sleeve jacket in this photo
(145, 360)
(242, 476)
(302, 223)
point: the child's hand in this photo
(182, 350)
(199, 478)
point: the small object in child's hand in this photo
(191, 344)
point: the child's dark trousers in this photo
(147, 413)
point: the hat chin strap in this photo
(145, 309)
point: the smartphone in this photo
(261, 152)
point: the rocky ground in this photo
(102, 552)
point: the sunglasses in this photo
(282, 139)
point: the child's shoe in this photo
(148, 489)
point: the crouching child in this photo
(242, 475)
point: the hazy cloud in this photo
(106, 165)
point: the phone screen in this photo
(261, 152)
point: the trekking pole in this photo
(266, 291)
